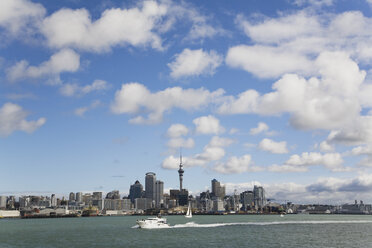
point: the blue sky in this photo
(94, 94)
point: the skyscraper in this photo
(259, 197)
(150, 180)
(159, 192)
(53, 200)
(71, 197)
(135, 191)
(217, 189)
(79, 196)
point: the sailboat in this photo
(189, 212)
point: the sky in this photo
(278, 93)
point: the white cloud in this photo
(13, 118)
(194, 63)
(362, 150)
(76, 90)
(65, 60)
(273, 147)
(258, 59)
(324, 146)
(316, 103)
(177, 130)
(181, 142)
(208, 125)
(116, 27)
(19, 16)
(82, 110)
(213, 151)
(357, 133)
(134, 98)
(332, 161)
(236, 165)
(261, 127)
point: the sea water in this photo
(200, 231)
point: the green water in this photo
(238, 231)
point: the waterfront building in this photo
(259, 197)
(218, 205)
(71, 197)
(97, 196)
(136, 191)
(247, 200)
(159, 192)
(53, 201)
(150, 180)
(115, 194)
(217, 189)
(141, 204)
(3, 200)
(79, 197)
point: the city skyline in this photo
(276, 93)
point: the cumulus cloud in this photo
(332, 161)
(357, 133)
(324, 146)
(236, 165)
(13, 118)
(20, 16)
(65, 60)
(134, 98)
(208, 125)
(194, 63)
(273, 146)
(261, 127)
(177, 130)
(76, 90)
(213, 151)
(116, 27)
(258, 59)
(316, 103)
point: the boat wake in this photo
(313, 222)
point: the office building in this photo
(150, 180)
(259, 197)
(71, 197)
(159, 192)
(136, 191)
(79, 197)
(217, 189)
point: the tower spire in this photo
(180, 170)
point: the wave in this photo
(310, 222)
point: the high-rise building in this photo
(3, 200)
(79, 197)
(113, 195)
(247, 200)
(150, 180)
(159, 192)
(71, 197)
(217, 189)
(53, 200)
(259, 197)
(136, 191)
(97, 196)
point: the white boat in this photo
(189, 212)
(153, 222)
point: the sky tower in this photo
(180, 172)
